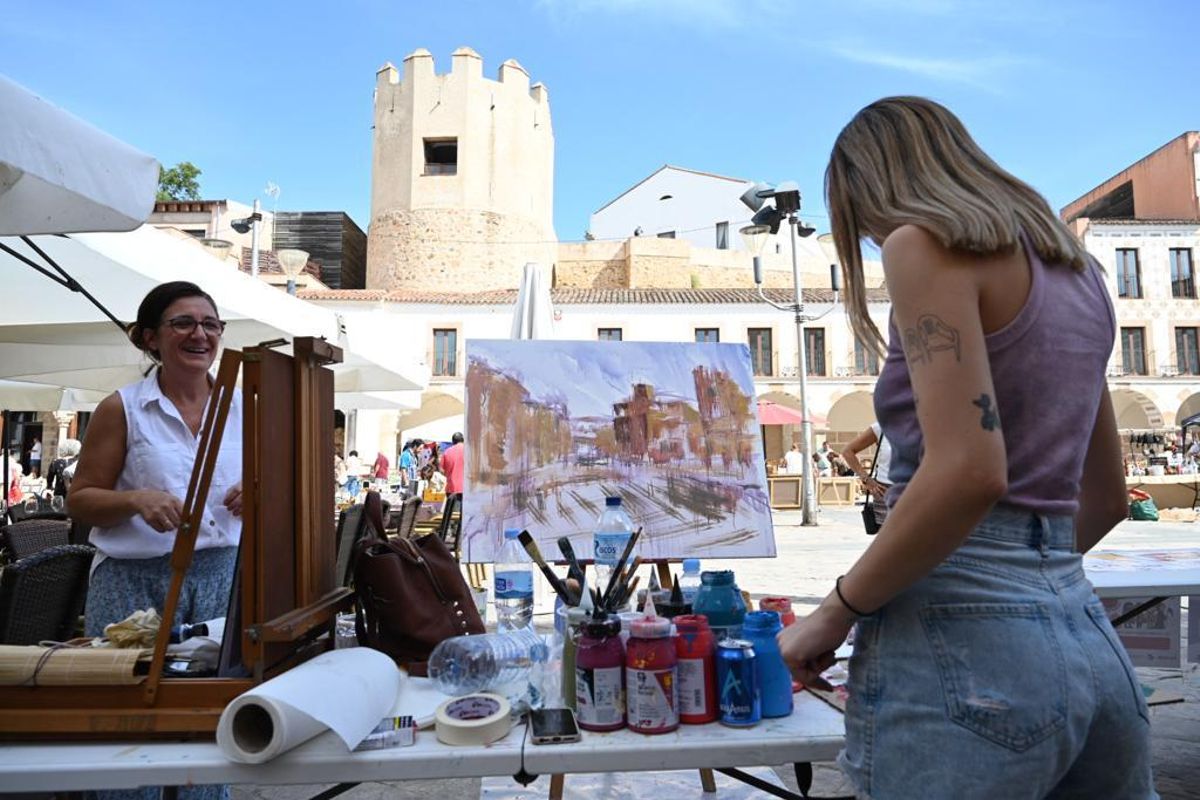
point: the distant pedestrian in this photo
(58, 477)
(452, 464)
(380, 470)
(35, 458)
(877, 485)
(793, 461)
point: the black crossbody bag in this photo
(868, 511)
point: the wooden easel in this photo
(289, 594)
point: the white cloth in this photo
(883, 454)
(793, 461)
(35, 452)
(159, 452)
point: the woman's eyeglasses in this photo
(185, 325)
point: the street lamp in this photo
(766, 221)
(292, 262)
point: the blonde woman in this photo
(983, 666)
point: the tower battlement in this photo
(462, 164)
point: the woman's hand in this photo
(233, 500)
(162, 511)
(808, 644)
(874, 488)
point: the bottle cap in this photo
(780, 604)
(722, 577)
(511, 533)
(612, 501)
(764, 621)
(650, 628)
(690, 624)
(691, 566)
(674, 604)
(602, 627)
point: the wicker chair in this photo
(23, 539)
(408, 517)
(42, 596)
(351, 525)
(451, 523)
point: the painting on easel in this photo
(553, 427)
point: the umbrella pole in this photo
(4, 455)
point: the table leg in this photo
(556, 786)
(707, 782)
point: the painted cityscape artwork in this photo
(553, 427)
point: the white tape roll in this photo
(475, 719)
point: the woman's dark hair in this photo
(155, 304)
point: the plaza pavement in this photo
(808, 561)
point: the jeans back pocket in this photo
(1099, 617)
(1001, 668)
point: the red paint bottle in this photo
(651, 689)
(695, 649)
(600, 676)
(780, 605)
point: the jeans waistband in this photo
(1021, 526)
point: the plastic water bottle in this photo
(514, 585)
(508, 663)
(613, 530)
(689, 582)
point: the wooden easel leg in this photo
(707, 782)
(556, 786)
(664, 574)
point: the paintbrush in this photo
(573, 569)
(620, 565)
(556, 584)
(623, 583)
(629, 590)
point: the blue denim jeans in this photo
(998, 675)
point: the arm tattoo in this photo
(990, 419)
(930, 336)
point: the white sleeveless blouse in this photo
(159, 453)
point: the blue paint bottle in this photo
(774, 679)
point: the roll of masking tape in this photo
(475, 719)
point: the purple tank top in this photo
(1048, 367)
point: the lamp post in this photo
(767, 220)
(292, 262)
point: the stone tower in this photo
(462, 176)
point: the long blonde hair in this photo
(909, 160)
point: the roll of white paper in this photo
(347, 691)
(475, 719)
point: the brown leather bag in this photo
(411, 594)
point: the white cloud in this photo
(980, 71)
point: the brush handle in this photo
(535, 553)
(622, 587)
(573, 569)
(612, 580)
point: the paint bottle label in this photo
(599, 697)
(692, 687)
(653, 699)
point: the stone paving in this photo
(808, 561)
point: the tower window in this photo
(441, 156)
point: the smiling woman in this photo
(134, 468)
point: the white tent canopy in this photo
(49, 334)
(39, 397)
(58, 174)
(533, 316)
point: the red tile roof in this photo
(567, 296)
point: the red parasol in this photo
(771, 413)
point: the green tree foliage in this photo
(180, 182)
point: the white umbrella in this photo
(533, 315)
(58, 174)
(40, 397)
(49, 334)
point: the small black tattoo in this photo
(990, 419)
(930, 336)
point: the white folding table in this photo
(813, 733)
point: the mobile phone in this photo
(553, 726)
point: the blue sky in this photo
(1062, 93)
